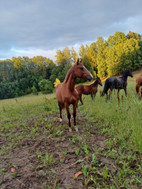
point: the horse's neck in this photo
(125, 77)
(70, 81)
(95, 84)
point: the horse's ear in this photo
(77, 62)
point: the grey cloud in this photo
(47, 25)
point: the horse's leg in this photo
(107, 97)
(110, 91)
(60, 108)
(125, 91)
(122, 98)
(118, 96)
(92, 96)
(69, 117)
(139, 92)
(74, 116)
(80, 98)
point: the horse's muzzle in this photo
(89, 77)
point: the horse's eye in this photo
(81, 68)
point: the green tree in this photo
(101, 48)
(82, 51)
(17, 62)
(74, 55)
(60, 58)
(92, 54)
(67, 54)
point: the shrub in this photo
(34, 90)
(45, 86)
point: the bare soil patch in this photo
(44, 136)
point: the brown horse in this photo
(138, 84)
(66, 94)
(88, 89)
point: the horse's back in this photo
(111, 79)
(80, 88)
(84, 89)
(113, 82)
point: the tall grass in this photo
(123, 121)
(21, 107)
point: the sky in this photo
(41, 27)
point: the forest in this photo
(103, 58)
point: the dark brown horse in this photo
(66, 94)
(88, 89)
(138, 85)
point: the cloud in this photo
(28, 52)
(43, 26)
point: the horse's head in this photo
(81, 72)
(129, 73)
(99, 81)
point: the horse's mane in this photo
(68, 75)
(95, 83)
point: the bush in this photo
(45, 86)
(34, 90)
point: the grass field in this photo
(38, 152)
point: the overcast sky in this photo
(41, 27)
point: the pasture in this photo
(38, 152)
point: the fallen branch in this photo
(78, 161)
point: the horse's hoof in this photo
(70, 129)
(61, 120)
(76, 129)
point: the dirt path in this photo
(30, 156)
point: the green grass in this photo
(123, 121)
(26, 119)
(22, 106)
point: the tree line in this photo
(24, 75)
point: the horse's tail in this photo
(57, 81)
(106, 87)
